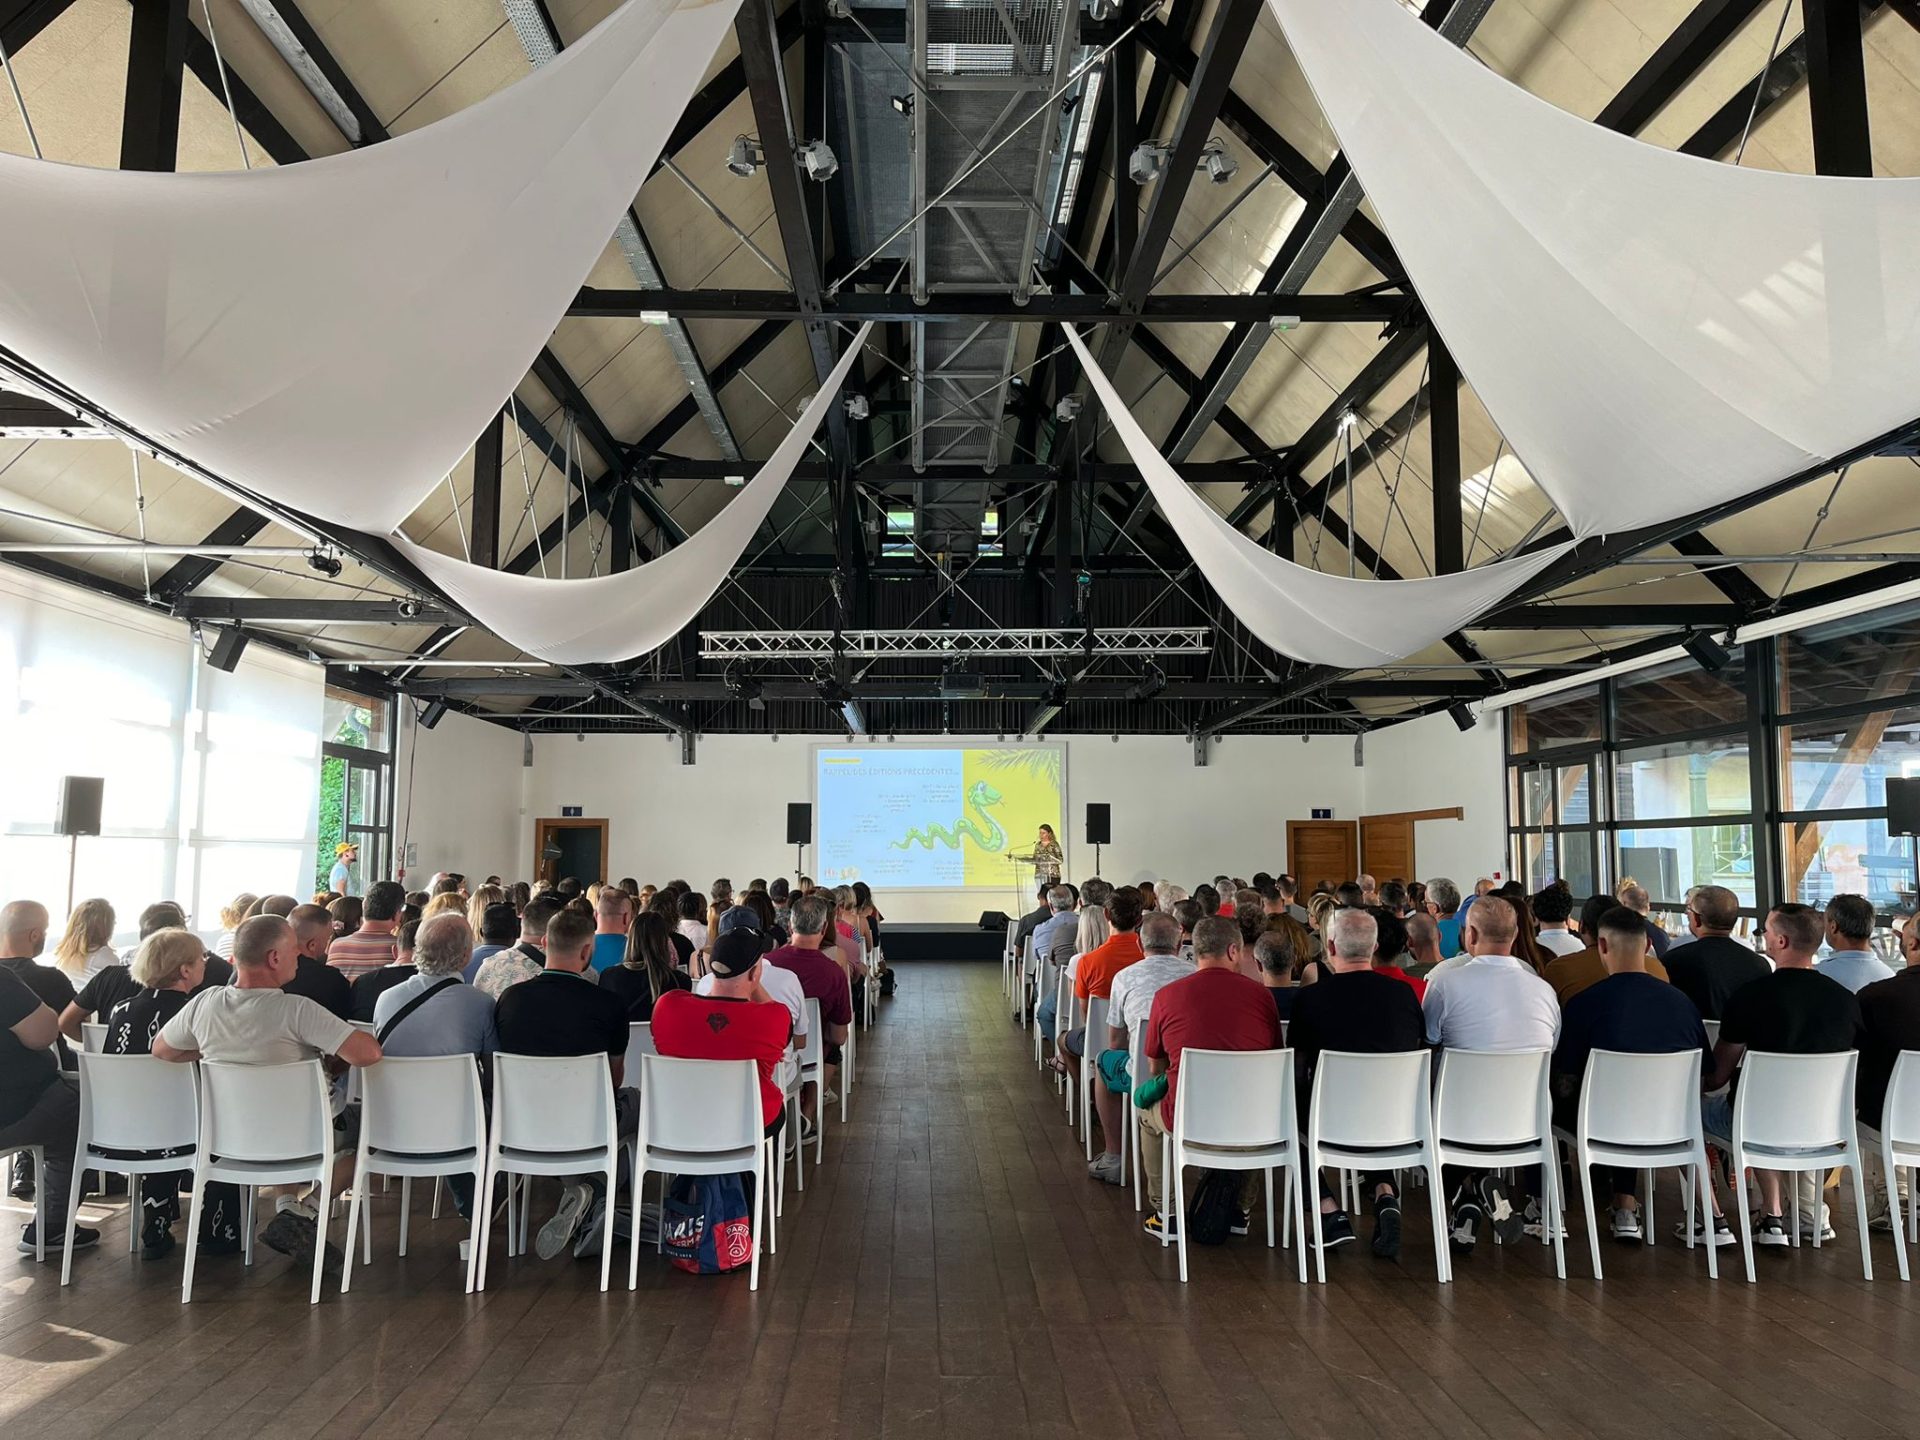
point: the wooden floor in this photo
(955, 1273)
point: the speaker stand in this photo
(73, 865)
(1096, 860)
(799, 862)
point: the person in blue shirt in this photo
(612, 921)
(340, 878)
(1628, 1011)
(1443, 903)
(1850, 959)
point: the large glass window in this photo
(1679, 698)
(1844, 764)
(1858, 661)
(1567, 719)
(1670, 860)
(1688, 780)
(355, 789)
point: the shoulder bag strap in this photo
(393, 1021)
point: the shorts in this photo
(832, 1052)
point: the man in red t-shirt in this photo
(1215, 1008)
(822, 979)
(738, 1021)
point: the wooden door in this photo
(582, 846)
(1322, 850)
(1386, 847)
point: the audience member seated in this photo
(261, 1019)
(782, 898)
(1128, 1007)
(1394, 899)
(499, 929)
(368, 989)
(1570, 974)
(1443, 903)
(1189, 913)
(362, 951)
(1034, 918)
(1552, 908)
(87, 946)
(1215, 1008)
(1491, 1001)
(1357, 1007)
(23, 938)
(693, 921)
(1060, 922)
(646, 971)
(1280, 950)
(169, 967)
(1850, 958)
(313, 977)
(118, 982)
(1390, 949)
(821, 978)
(564, 1011)
(1633, 895)
(1094, 977)
(1423, 947)
(1890, 1023)
(526, 959)
(1713, 965)
(1794, 1010)
(613, 922)
(38, 1104)
(1633, 1012)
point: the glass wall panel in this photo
(1684, 781)
(1824, 858)
(1671, 860)
(1676, 698)
(1844, 764)
(1855, 661)
(1557, 720)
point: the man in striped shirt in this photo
(373, 945)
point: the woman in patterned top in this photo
(169, 965)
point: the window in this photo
(1678, 698)
(1671, 860)
(1558, 720)
(898, 541)
(1857, 661)
(990, 531)
(1844, 764)
(355, 787)
(1690, 780)
(1824, 858)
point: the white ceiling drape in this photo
(1654, 333)
(608, 618)
(332, 335)
(1308, 614)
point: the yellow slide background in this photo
(1028, 780)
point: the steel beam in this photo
(1837, 88)
(156, 61)
(1579, 615)
(958, 307)
(1443, 433)
(1677, 59)
(483, 544)
(21, 20)
(184, 576)
(300, 45)
(314, 612)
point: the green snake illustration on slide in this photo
(979, 796)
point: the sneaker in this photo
(1626, 1225)
(1772, 1230)
(832, 1097)
(83, 1239)
(1242, 1223)
(1880, 1221)
(1722, 1233)
(1335, 1229)
(295, 1232)
(1533, 1224)
(587, 1246)
(575, 1199)
(1466, 1226)
(1826, 1226)
(22, 1186)
(1158, 1231)
(1386, 1227)
(157, 1247)
(1107, 1168)
(466, 1251)
(809, 1131)
(1507, 1223)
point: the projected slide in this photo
(932, 818)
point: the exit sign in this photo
(1322, 813)
(571, 812)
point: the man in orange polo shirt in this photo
(1094, 978)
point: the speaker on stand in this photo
(799, 834)
(78, 814)
(1903, 818)
(1099, 830)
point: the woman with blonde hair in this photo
(483, 896)
(230, 917)
(448, 902)
(1093, 930)
(87, 949)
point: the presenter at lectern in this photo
(1046, 857)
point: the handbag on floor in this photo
(1215, 1204)
(708, 1230)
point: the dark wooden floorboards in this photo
(952, 1272)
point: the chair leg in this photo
(1297, 1183)
(406, 1209)
(194, 1196)
(526, 1211)
(1133, 1149)
(1646, 1205)
(356, 1202)
(478, 1207)
(1893, 1203)
(439, 1183)
(1584, 1161)
(1746, 1218)
(1857, 1174)
(1319, 1247)
(1177, 1200)
(483, 1210)
(73, 1219)
(759, 1201)
(1441, 1263)
(607, 1207)
(1555, 1212)
(246, 1249)
(768, 1164)
(1703, 1177)
(320, 1240)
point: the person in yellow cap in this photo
(340, 878)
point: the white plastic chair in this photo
(1793, 1113)
(262, 1125)
(1898, 1140)
(1491, 1109)
(639, 1042)
(93, 1038)
(810, 1070)
(552, 1115)
(131, 1103)
(1136, 1073)
(1009, 953)
(419, 1115)
(846, 1054)
(37, 1158)
(1375, 1112)
(870, 992)
(1090, 1049)
(1641, 1112)
(1233, 1110)
(1046, 977)
(701, 1117)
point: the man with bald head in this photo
(313, 977)
(23, 937)
(38, 1105)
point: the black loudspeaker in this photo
(994, 919)
(433, 714)
(79, 812)
(799, 823)
(1903, 807)
(228, 643)
(1462, 716)
(1099, 824)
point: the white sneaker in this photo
(1535, 1227)
(1105, 1167)
(557, 1233)
(1826, 1225)
(1626, 1224)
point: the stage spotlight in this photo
(1708, 653)
(326, 562)
(1462, 716)
(1219, 165)
(744, 156)
(902, 103)
(816, 157)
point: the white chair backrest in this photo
(135, 1102)
(639, 1042)
(1013, 929)
(1235, 1097)
(265, 1112)
(1373, 1100)
(1488, 1097)
(1900, 1115)
(422, 1105)
(93, 1036)
(814, 1053)
(1096, 1026)
(1791, 1101)
(1136, 1058)
(700, 1105)
(552, 1102)
(1641, 1099)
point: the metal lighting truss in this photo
(879, 644)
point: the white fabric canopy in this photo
(1654, 333)
(1308, 614)
(608, 618)
(332, 335)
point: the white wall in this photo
(1430, 764)
(466, 782)
(474, 806)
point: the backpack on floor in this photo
(707, 1226)
(1215, 1203)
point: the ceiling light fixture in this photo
(744, 156)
